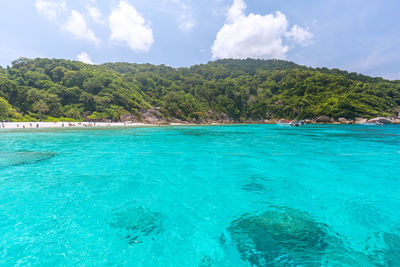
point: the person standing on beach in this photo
(37, 125)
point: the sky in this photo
(356, 35)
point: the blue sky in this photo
(361, 36)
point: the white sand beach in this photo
(38, 125)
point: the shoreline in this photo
(66, 125)
(92, 125)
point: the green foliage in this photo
(49, 89)
(61, 119)
(4, 109)
(40, 107)
(182, 105)
(97, 116)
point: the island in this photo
(223, 91)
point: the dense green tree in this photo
(40, 107)
(4, 109)
(236, 89)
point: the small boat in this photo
(296, 123)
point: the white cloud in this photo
(85, 58)
(186, 22)
(300, 36)
(128, 26)
(95, 14)
(256, 36)
(77, 26)
(50, 9)
(236, 11)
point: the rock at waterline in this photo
(361, 120)
(324, 119)
(380, 120)
(345, 121)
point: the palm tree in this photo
(40, 107)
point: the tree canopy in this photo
(45, 89)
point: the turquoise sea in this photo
(245, 195)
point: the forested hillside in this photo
(237, 90)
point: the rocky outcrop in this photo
(361, 120)
(345, 121)
(127, 118)
(224, 118)
(153, 116)
(324, 119)
(380, 120)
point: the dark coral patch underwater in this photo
(15, 158)
(136, 224)
(288, 237)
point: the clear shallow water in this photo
(261, 195)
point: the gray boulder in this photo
(345, 121)
(153, 116)
(126, 118)
(361, 120)
(324, 119)
(380, 120)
